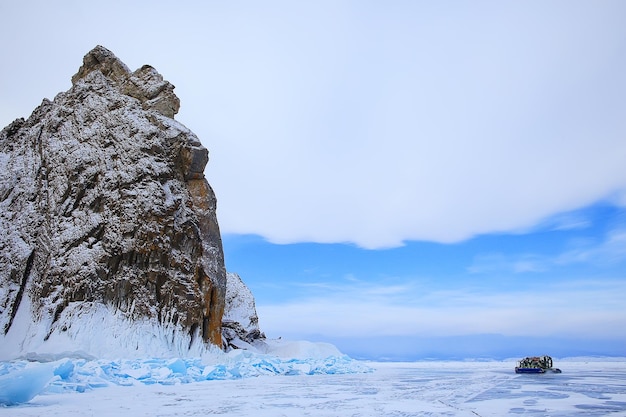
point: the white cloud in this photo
(498, 262)
(346, 122)
(610, 250)
(593, 308)
(565, 221)
(424, 134)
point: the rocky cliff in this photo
(106, 218)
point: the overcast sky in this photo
(380, 128)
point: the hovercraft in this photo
(536, 365)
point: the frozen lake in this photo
(593, 388)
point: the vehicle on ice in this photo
(535, 365)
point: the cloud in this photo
(362, 123)
(590, 307)
(425, 134)
(500, 263)
(565, 221)
(611, 250)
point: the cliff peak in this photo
(106, 219)
(145, 84)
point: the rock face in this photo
(240, 323)
(104, 204)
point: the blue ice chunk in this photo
(79, 375)
(64, 370)
(218, 372)
(59, 386)
(98, 384)
(22, 385)
(178, 366)
(265, 365)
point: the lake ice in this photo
(325, 387)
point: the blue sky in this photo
(558, 287)
(391, 176)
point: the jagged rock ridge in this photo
(103, 202)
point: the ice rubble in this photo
(21, 380)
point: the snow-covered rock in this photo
(240, 323)
(109, 239)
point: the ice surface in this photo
(453, 389)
